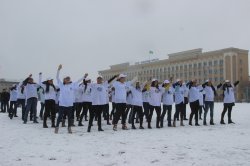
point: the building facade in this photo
(217, 66)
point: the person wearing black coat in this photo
(5, 98)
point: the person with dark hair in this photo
(21, 98)
(66, 98)
(155, 103)
(229, 100)
(5, 97)
(50, 100)
(179, 89)
(86, 99)
(137, 104)
(31, 98)
(121, 88)
(146, 98)
(194, 101)
(41, 98)
(113, 104)
(210, 93)
(168, 101)
(13, 102)
(99, 100)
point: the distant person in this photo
(210, 93)
(194, 96)
(21, 98)
(229, 100)
(31, 98)
(13, 102)
(5, 97)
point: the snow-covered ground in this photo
(30, 144)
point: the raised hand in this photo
(60, 67)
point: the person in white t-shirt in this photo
(66, 98)
(120, 89)
(13, 102)
(168, 101)
(155, 102)
(229, 100)
(99, 100)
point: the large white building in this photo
(219, 65)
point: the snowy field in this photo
(30, 144)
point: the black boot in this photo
(63, 123)
(133, 127)
(45, 124)
(89, 128)
(149, 125)
(53, 123)
(211, 122)
(100, 129)
(204, 123)
(230, 122)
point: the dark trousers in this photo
(22, 103)
(79, 107)
(5, 106)
(50, 109)
(129, 112)
(227, 107)
(209, 105)
(137, 110)
(158, 114)
(179, 111)
(64, 111)
(166, 109)
(86, 107)
(31, 107)
(106, 112)
(96, 111)
(113, 110)
(13, 108)
(146, 108)
(194, 111)
(200, 111)
(120, 112)
(42, 109)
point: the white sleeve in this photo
(59, 82)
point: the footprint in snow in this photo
(52, 159)
(154, 161)
(121, 152)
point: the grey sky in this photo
(90, 35)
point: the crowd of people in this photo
(132, 101)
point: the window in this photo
(215, 71)
(195, 65)
(215, 63)
(221, 71)
(204, 63)
(221, 62)
(199, 65)
(210, 63)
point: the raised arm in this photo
(112, 79)
(25, 82)
(40, 79)
(236, 83)
(59, 82)
(83, 78)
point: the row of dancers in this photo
(130, 100)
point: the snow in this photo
(217, 145)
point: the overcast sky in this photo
(91, 35)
